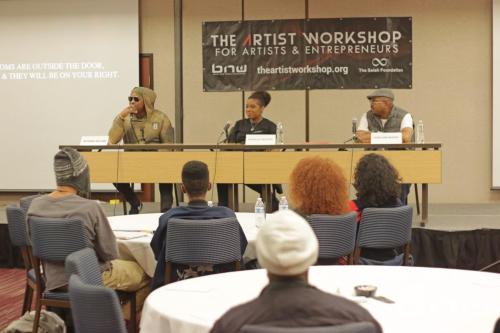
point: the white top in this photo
(405, 123)
(431, 300)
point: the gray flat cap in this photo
(381, 93)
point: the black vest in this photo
(393, 123)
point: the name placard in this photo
(99, 140)
(260, 139)
(381, 138)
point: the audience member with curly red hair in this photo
(318, 186)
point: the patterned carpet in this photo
(12, 283)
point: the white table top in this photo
(426, 299)
(142, 226)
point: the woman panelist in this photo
(255, 123)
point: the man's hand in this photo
(407, 134)
(364, 136)
(127, 111)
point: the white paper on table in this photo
(124, 235)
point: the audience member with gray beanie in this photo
(70, 200)
(286, 247)
(72, 170)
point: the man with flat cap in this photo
(286, 247)
(384, 116)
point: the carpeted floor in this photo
(11, 295)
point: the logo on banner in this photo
(382, 62)
(380, 65)
(229, 69)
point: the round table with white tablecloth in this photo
(134, 233)
(425, 299)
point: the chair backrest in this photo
(94, 309)
(385, 227)
(196, 242)
(53, 239)
(360, 327)
(336, 234)
(84, 264)
(18, 232)
(25, 202)
(18, 229)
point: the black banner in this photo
(339, 53)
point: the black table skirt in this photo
(470, 249)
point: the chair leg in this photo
(28, 292)
(168, 273)
(177, 194)
(30, 300)
(406, 255)
(133, 313)
(417, 201)
(350, 259)
(38, 310)
(25, 300)
(357, 253)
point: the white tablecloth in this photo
(142, 226)
(426, 299)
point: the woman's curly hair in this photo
(318, 186)
(376, 181)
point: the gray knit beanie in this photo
(71, 169)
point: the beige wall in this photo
(157, 37)
(451, 80)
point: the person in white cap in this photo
(384, 116)
(286, 247)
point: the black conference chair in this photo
(202, 242)
(52, 241)
(336, 236)
(385, 228)
(95, 309)
(84, 264)
(18, 233)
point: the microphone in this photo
(354, 128)
(226, 130)
(142, 134)
(354, 125)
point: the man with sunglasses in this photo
(141, 123)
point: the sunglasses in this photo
(133, 98)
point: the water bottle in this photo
(420, 132)
(283, 203)
(260, 213)
(280, 134)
